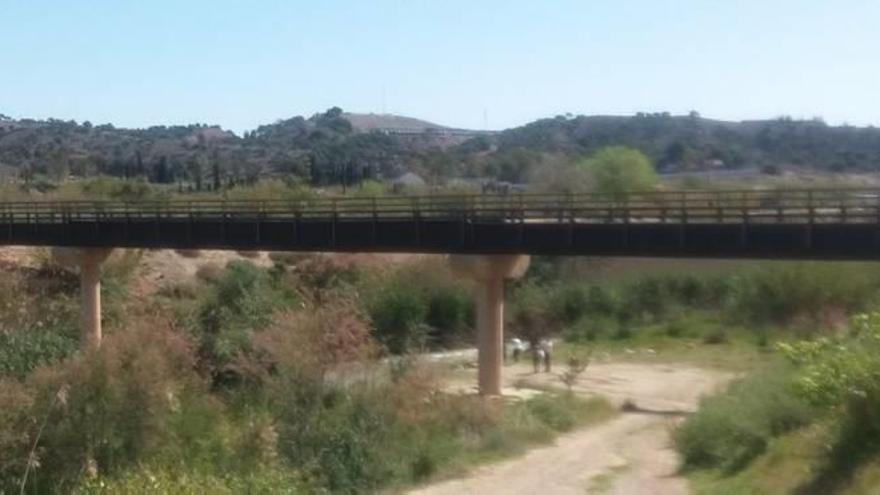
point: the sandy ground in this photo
(631, 454)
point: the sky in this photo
(463, 63)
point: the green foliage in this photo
(242, 301)
(398, 313)
(561, 412)
(416, 302)
(134, 399)
(570, 303)
(618, 170)
(176, 481)
(322, 148)
(113, 188)
(591, 328)
(531, 311)
(23, 350)
(644, 298)
(844, 376)
(807, 297)
(734, 427)
(601, 301)
(371, 188)
(783, 291)
(340, 438)
(715, 336)
(450, 310)
(678, 325)
(365, 435)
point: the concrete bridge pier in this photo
(489, 272)
(88, 260)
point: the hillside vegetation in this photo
(338, 148)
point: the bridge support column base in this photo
(489, 272)
(89, 263)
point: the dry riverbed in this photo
(631, 454)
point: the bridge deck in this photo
(841, 224)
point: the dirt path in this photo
(631, 454)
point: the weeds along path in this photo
(631, 454)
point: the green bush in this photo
(559, 413)
(24, 350)
(732, 428)
(177, 481)
(242, 300)
(715, 336)
(398, 314)
(677, 326)
(780, 292)
(601, 301)
(449, 312)
(113, 188)
(570, 303)
(531, 311)
(590, 328)
(842, 376)
(340, 439)
(136, 399)
(645, 298)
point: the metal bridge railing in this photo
(814, 206)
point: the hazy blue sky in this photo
(243, 63)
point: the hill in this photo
(367, 122)
(338, 147)
(692, 142)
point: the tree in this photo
(216, 175)
(617, 170)
(195, 171)
(530, 313)
(676, 154)
(162, 171)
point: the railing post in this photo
(811, 209)
(373, 234)
(417, 218)
(522, 209)
(334, 203)
(780, 216)
(261, 212)
(684, 212)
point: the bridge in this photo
(489, 236)
(798, 224)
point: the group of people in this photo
(542, 352)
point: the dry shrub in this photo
(183, 291)
(322, 273)
(209, 272)
(110, 407)
(188, 253)
(15, 430)
(123, 262)
(471, 414)
(289, 258)
(315, 340)
(413, 392)
(249, 254)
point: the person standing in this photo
(547, 354)
(517, 347)
(537, 357)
